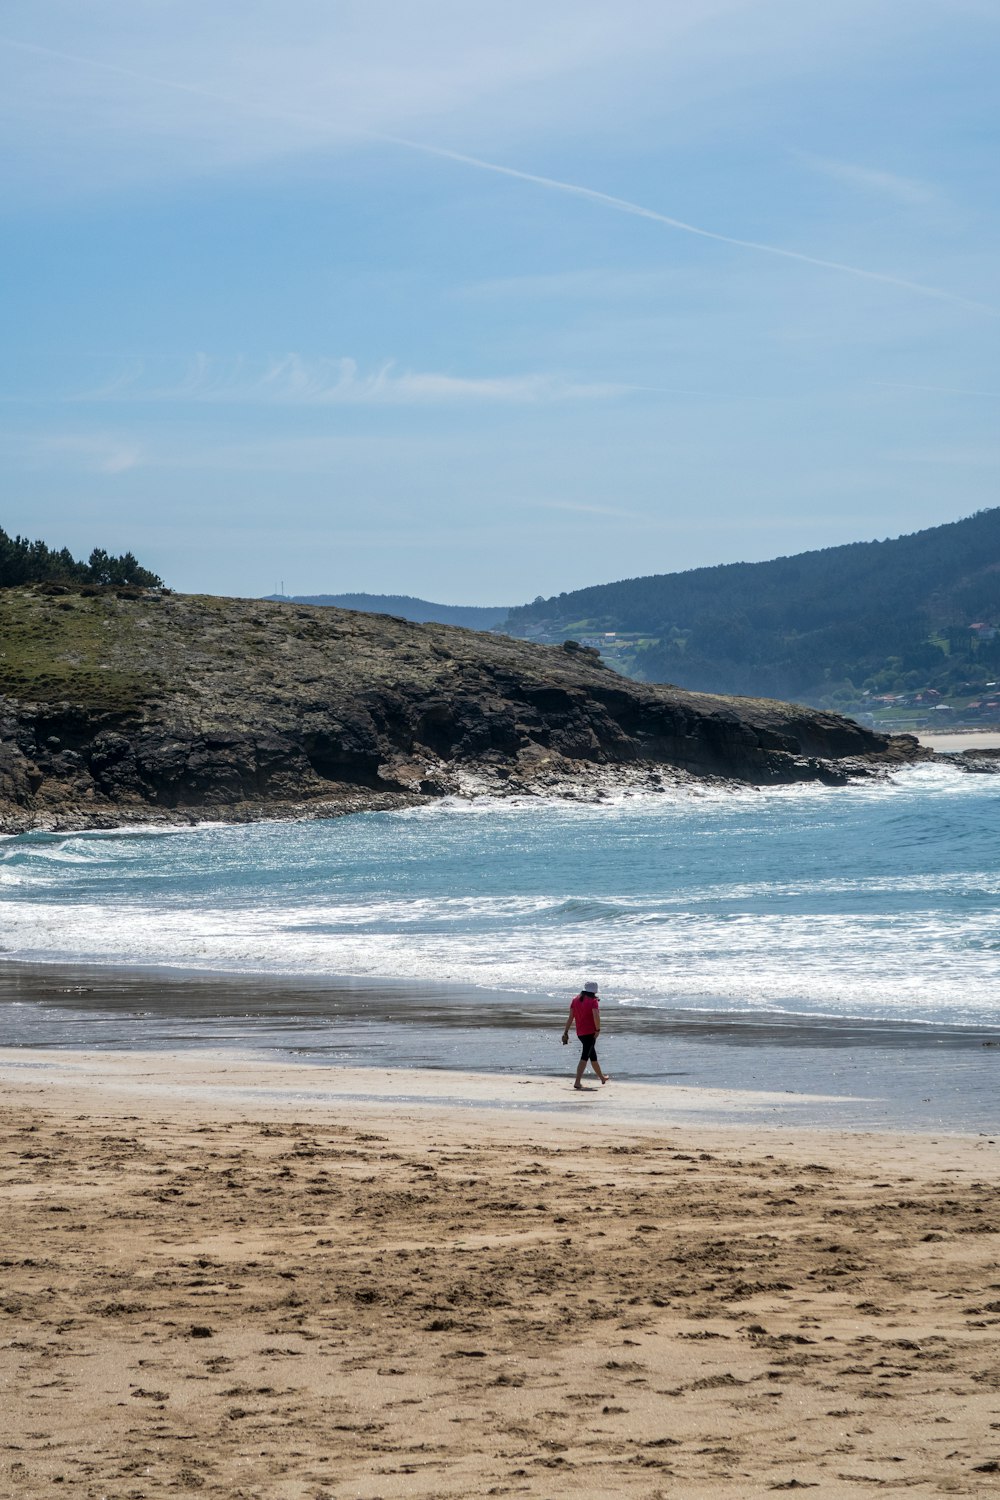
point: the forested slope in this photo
(805, 626)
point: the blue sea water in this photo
(876, 901)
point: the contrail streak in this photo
(625, 206)
(552, 184)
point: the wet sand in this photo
(813, 1071)
(219, 1280)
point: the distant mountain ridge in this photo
(420, 611)
(819, 627)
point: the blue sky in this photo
(272, 313)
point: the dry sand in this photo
(226, 1294)
(975, 739)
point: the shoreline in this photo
(233, 1082)
(553, 778)
(226, 1086)
(806, 1072)
(590, 785)
(260, 1295)
(44, 978)
(587, 781)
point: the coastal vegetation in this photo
(842, 627)
(23, 561)
(58, 649)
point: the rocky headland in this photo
(125, 705)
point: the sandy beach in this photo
(961, 739)
(220, 1279)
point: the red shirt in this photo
(586, 1011)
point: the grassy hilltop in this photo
(119, 702)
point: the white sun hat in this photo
(590, 987)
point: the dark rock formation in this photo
(120, 706)
(984, 760)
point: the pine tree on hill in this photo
(23, 561)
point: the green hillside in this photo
(839, 626)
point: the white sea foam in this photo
(836, 963)
(879, 900)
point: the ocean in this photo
(453, 934)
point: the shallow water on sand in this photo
(779, 1070)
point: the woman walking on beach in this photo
(585, 1014)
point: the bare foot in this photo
(605, 1077)
(579, 1086)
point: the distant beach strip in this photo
(954, 744)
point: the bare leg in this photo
(581, 1068)
(597, 1069)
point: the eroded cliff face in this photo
(118, 705)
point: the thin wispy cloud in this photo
(597, 284)
(951, 455)
(908, 190)
(937, 390)
(510, 66)
(294, 380)
(616, 512)
(579, 266)
(550, 184)
(93, 453)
